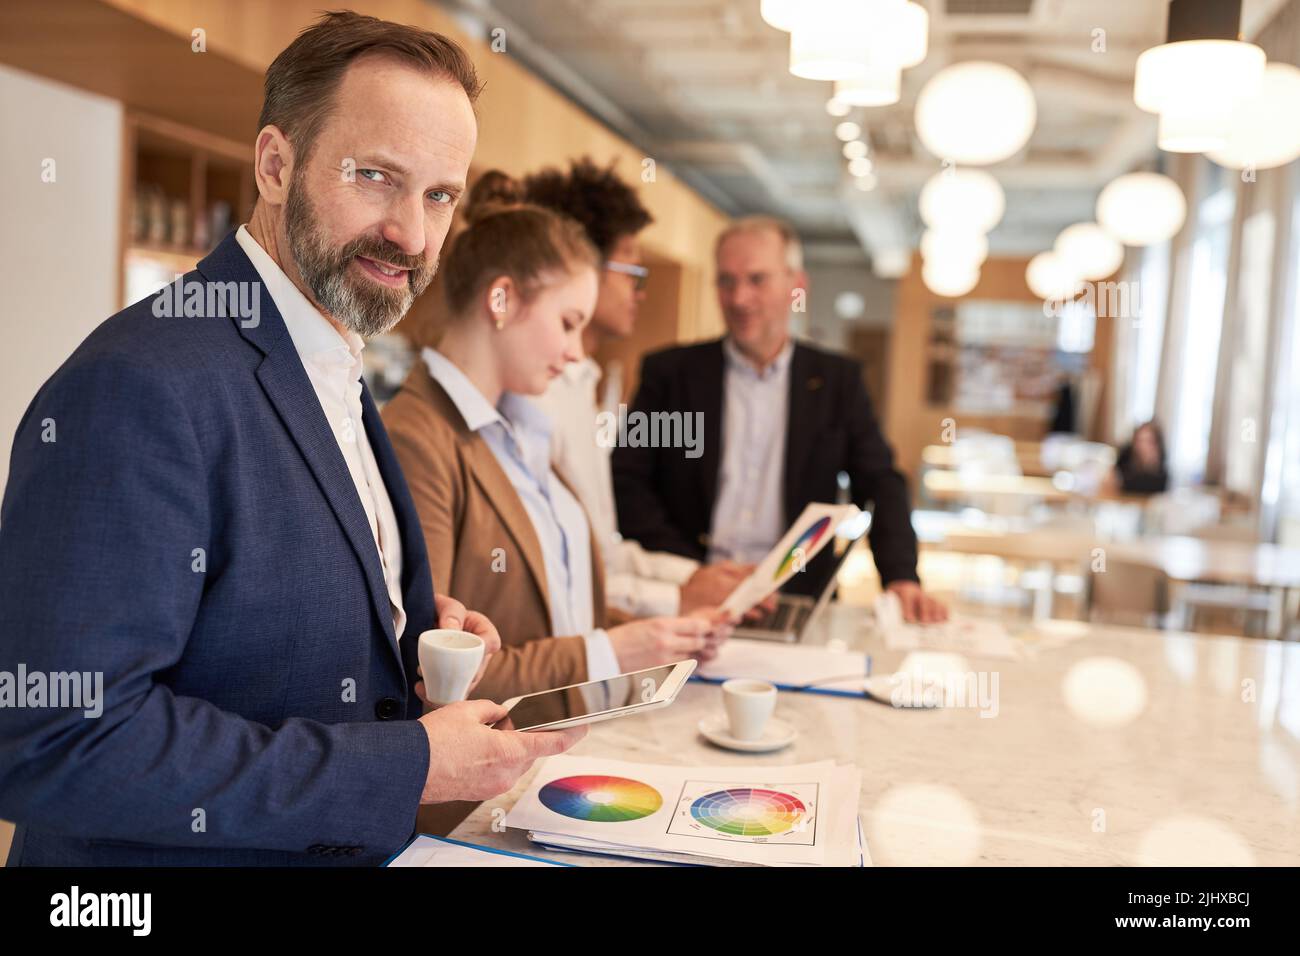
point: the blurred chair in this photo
(1260, 609)
(1127, 593)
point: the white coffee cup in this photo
(448, 661)
(749, 704)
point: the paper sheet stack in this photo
(960, 634)
(804, 815)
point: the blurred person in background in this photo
(781, 421)
(1142, 467)
(638, 583)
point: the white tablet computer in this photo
(632, 693)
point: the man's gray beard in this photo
(338, 296)
(368, 311)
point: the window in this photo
(1245, 409)
(1283, 485)
(1148, 333)
(1199, 354)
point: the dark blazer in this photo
(665, 500)
(257, 708)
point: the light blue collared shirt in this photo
(748, 518)
(519, 434)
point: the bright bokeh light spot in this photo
(924, 825)
(1189, 840)
(1104, 691)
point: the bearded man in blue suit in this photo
(204, 514)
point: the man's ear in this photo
(273, 165)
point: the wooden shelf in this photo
(177, 174)
(182, 258)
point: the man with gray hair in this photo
(781, 421)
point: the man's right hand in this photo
(468, 760)
(658, 640)
(711, 584)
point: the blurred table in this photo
(1116, 746)
(952, 486)
(1028, 454)
(1185, 560)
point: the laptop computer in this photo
(793, 613)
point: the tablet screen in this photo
(593, 697)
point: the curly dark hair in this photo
(605, 205)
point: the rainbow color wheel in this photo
(600, 799)
(747, 812)
(805, 544)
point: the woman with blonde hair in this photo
(503, 532)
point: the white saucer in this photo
(777, 734)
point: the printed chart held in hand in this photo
(812, 530)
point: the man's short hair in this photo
(790, 243)
(595, 196)
(302, 81)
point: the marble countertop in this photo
(1099, 746)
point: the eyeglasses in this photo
(640, 273)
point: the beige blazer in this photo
(482, 546)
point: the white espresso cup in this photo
(448, 661)
(749, 704)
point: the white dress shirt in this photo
(519, 435)
(748, 518)
(333, 364)
(639, 582)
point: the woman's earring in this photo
(501, 323)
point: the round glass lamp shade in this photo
(954, 247)
(949, 280)
(1140, 209)
(967, 200)
(1050, 278)
(1089, 251)
(976, 113)
(781, 14)
(850, 305)
(1265, 127)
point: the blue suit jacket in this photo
(257, 708)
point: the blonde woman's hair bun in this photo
(493, 192)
